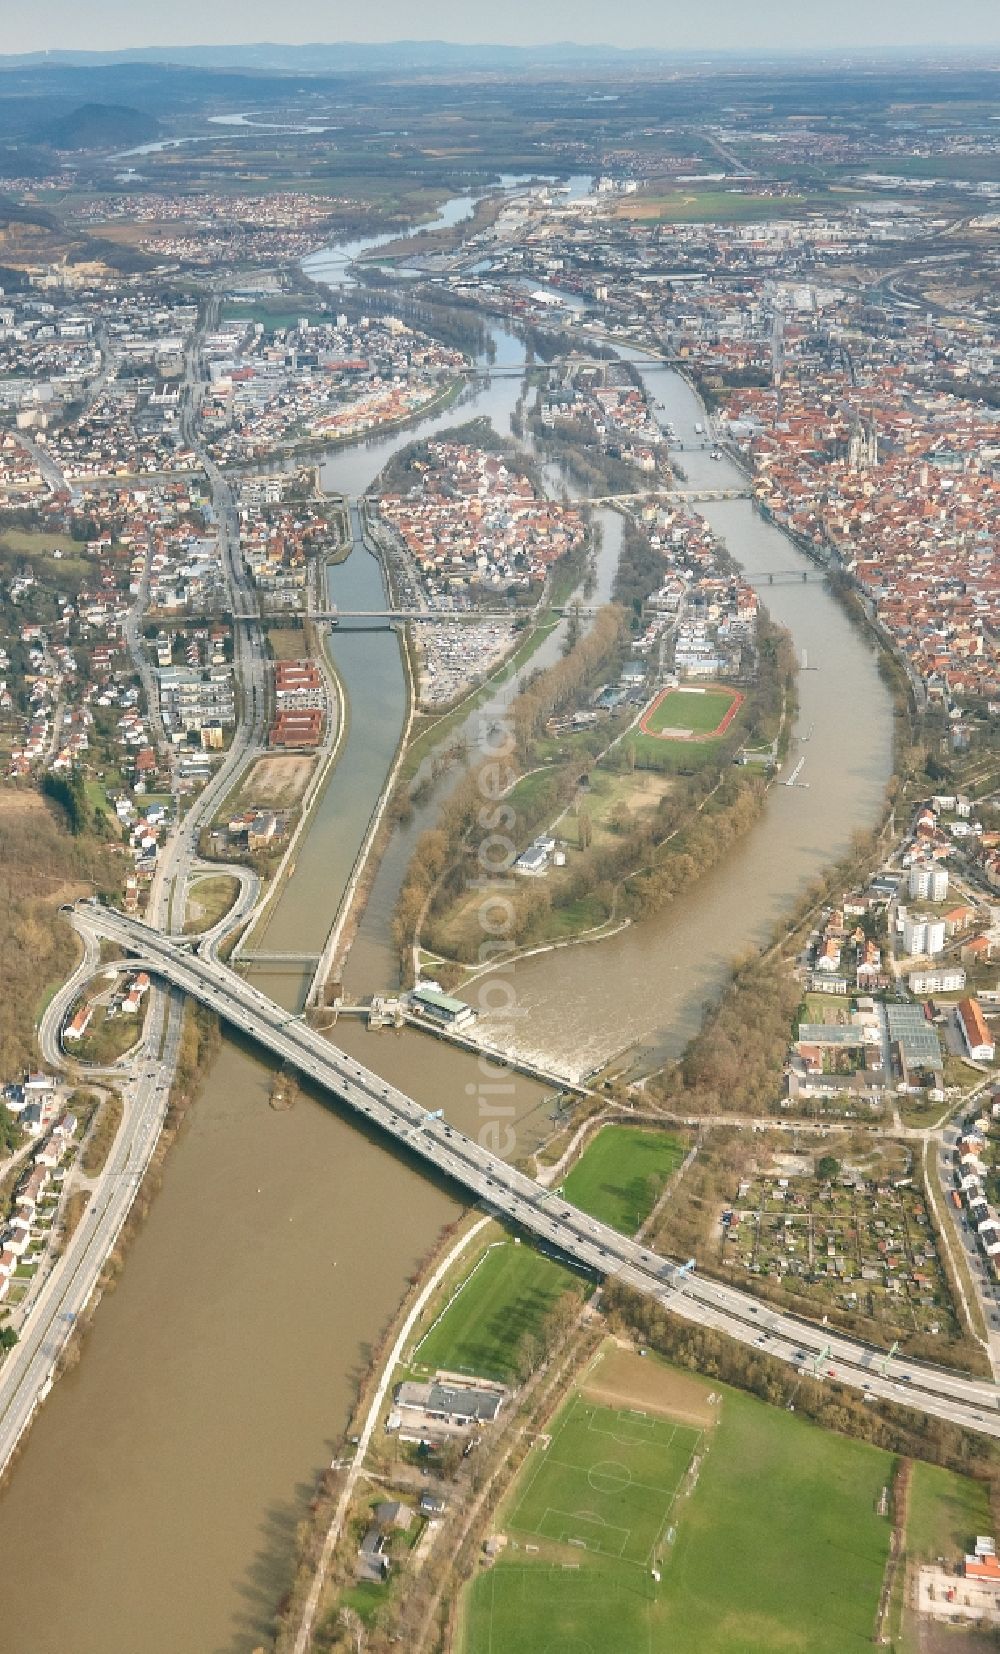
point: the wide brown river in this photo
(154, 1506)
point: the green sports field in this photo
(548, 1608)
(620, 1173)
(507, 1294)
(605, 1482)
(699, 713)
(778, 1546)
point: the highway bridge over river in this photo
(511, 1194)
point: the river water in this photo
(647, 986)
(154, 1505)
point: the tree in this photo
(828, 1167)
(449, 1460)
(10, 1131)
(528, 1354)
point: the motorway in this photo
(175, 865)
(593, 1246)
(144, 1078)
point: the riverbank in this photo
(314, 1565)
(268, 1305)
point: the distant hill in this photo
(346, 57)
(323, 57)
(100, 126)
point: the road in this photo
(27, 1373)
(363, 1441)
(174, 866)
(144, 1080)
(942, 1146)
(594, 1246)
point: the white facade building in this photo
(928, 882)
(948, 979)
(922, 935)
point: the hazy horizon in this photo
(118, 25)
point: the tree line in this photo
(40, 865)
(834, 1406)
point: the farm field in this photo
(706, 713)
(775, 1544)
(505, 1297)
(620, 1174)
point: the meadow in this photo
(507, 1294)
(619, 1176)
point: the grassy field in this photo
(778, 1546)
(272, 314)
(208, 900)
(286, 642)
(507, 1294)
(35, 546)
(606, 1481)
(108, 1039)
(558, 1610)
(620, 1174)
(826, 1008)
(718, 206)
(700, 714)
(682, 757)
(945, 1513)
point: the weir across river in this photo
(592, 1246)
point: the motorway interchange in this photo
(144, 1081)
(591, 1245)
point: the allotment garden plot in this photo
(860, 1241)
(606, 1482)
(690, 713)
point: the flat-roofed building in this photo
(439, 1007)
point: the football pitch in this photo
(548, 1609)
(703, 714)
(776, 1540)
(606, 1482)
(508, 1293)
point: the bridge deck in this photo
(489, 1179)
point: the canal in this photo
(156, 1500)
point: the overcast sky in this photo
(726, 24)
